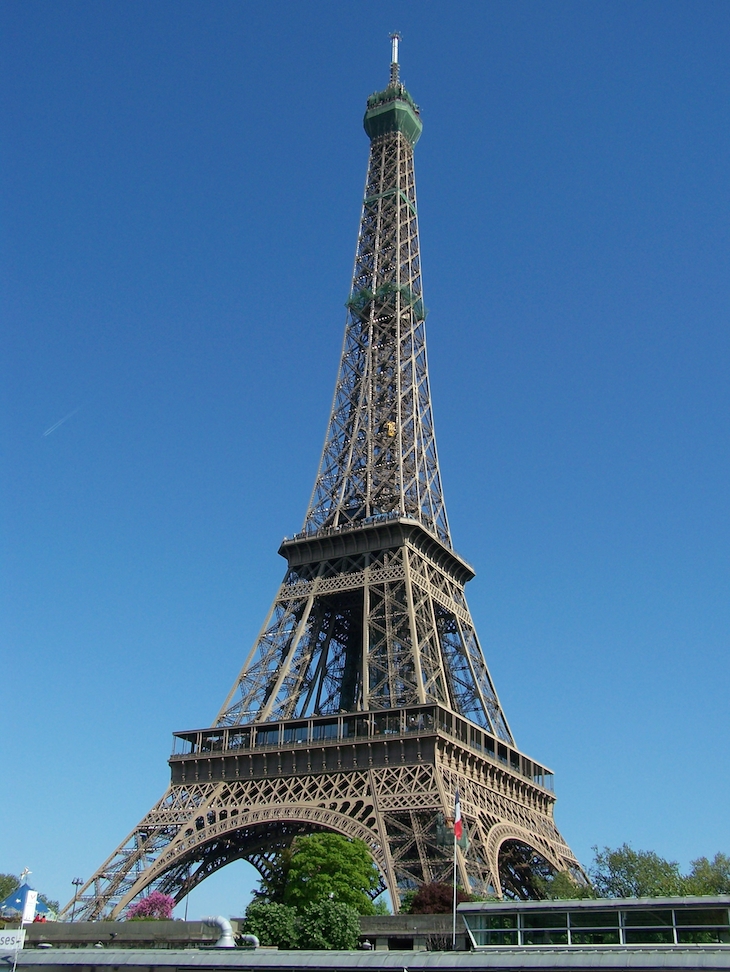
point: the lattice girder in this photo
(199, 826)
(365, 630)
(380, 450)
(370, 622)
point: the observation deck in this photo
(393, 110)
(379, 532)
(346, 741)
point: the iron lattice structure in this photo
(365, 702)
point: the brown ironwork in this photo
(365, 702)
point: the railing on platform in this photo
(353, 727)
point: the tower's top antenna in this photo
(394, 66)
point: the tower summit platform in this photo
(393, 109)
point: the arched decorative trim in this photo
(500, 834)
(319, 818)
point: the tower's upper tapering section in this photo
(379, 457)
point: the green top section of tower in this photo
(393, 110)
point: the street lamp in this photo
(77, 882)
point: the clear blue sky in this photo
(182, 186)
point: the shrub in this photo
(157, 906)
(273, 924)
(329, 924)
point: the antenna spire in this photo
(394, 65)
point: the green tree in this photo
(623, 872)
(273, 924)
(709, 877)
(8, 883)
(322, 924)
(406, 901)
(563, 885)
(327, 867)
(328, 924)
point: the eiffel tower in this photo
(365, 702)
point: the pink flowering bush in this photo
(156, 905)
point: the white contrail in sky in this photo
(61, 421)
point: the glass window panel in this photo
(648, 936)
(645, 919)
(325, 730)
(183, 746)
(703, 936)
(498, 921)
(498, 937)
(392, 725)
(239, 740)
(545, 919)
(595, 936)
(414, 721)
(593, 919)
(544, 936)
(295, 733)
(267, 737)
(419, 721)
(212, 743)
(701, 916)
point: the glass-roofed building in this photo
(604, 921)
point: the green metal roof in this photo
(393, 110)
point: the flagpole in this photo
(458, 831)
(453, 926)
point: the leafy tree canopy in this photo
(322, 924)
(622, 872)
(323, 867)
(562, 885)
(709, 877)
(8, 883)
(329, 924)
(626, 873)
(273, 924)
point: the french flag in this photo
(458, 828)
